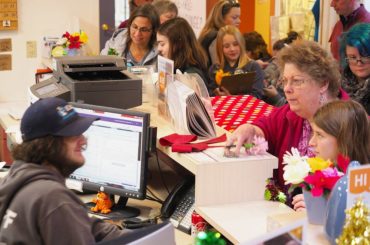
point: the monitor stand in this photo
(120, 210)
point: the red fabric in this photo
(181, 143)
(360, 15)
(283, 129)
(176, 139)
(232, 111)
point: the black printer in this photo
(96, 80)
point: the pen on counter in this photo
(224, 146)
(229, 146)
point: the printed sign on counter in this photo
(359, 185)
(165, 76)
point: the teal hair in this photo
(358, 37)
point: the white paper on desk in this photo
(2, 164)
(14, 129)
(177, 94)
(16, 112)
(217, 155)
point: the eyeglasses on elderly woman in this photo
(294, 82)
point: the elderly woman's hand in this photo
(298, 203)
(243, 134)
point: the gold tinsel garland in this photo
(356, 230)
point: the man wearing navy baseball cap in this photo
(35, 205)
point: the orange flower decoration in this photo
(219, 75)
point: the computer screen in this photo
(116, 156)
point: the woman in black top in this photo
(176, 41)
(355, 60)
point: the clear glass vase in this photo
(73, 52)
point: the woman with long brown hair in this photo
(176, 41)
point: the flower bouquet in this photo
(70, 44)
(316, 176)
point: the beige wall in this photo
(39, 18)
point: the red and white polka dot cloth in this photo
(232, 111)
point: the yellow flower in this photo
(317, 163)
(219, 75)
(83, 37)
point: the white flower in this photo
(296, 167)
(294, 157)
(61, 41)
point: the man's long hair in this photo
(40, 150)
(46, 150)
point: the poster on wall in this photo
(5, 62)
(8, 15)
(5, 45)
(300, 19)
(194, 11)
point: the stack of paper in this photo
(188, 112)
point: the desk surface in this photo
(149, 209)
(243, 222)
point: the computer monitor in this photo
(116, 156)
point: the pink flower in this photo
(331, 177)
(331, 172)
(259, 147)
(322, 179)
(317, 181)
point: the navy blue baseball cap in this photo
(53, 116)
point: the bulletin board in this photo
(8, 15)
(294, 16)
